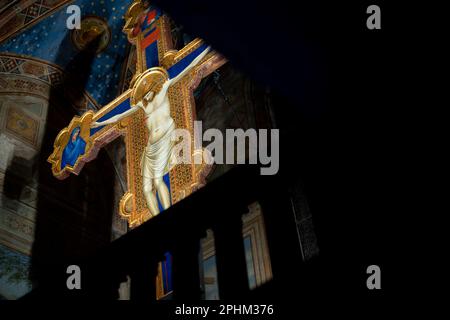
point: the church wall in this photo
(65, 222)
(228, 99)
(43, 76)
(22, 125)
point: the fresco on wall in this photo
(49, 36)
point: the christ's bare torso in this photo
(157, 118)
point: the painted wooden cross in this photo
(160, 99)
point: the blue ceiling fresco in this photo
(50, 40)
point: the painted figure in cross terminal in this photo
(74, 148)
(157, 159)
(135, 18)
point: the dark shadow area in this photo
(19, 174)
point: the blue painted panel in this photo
(181, 65)
(151, 55)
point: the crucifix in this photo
(160, 99)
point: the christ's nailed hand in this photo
(95, 125)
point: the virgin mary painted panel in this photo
(74, 149)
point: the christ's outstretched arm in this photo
(159, 97)
(116, 118)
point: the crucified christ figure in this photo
(160, 125)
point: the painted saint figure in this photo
(155, 158)
(75, 147)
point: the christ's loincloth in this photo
(155, 161)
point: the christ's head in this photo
(149, 97)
